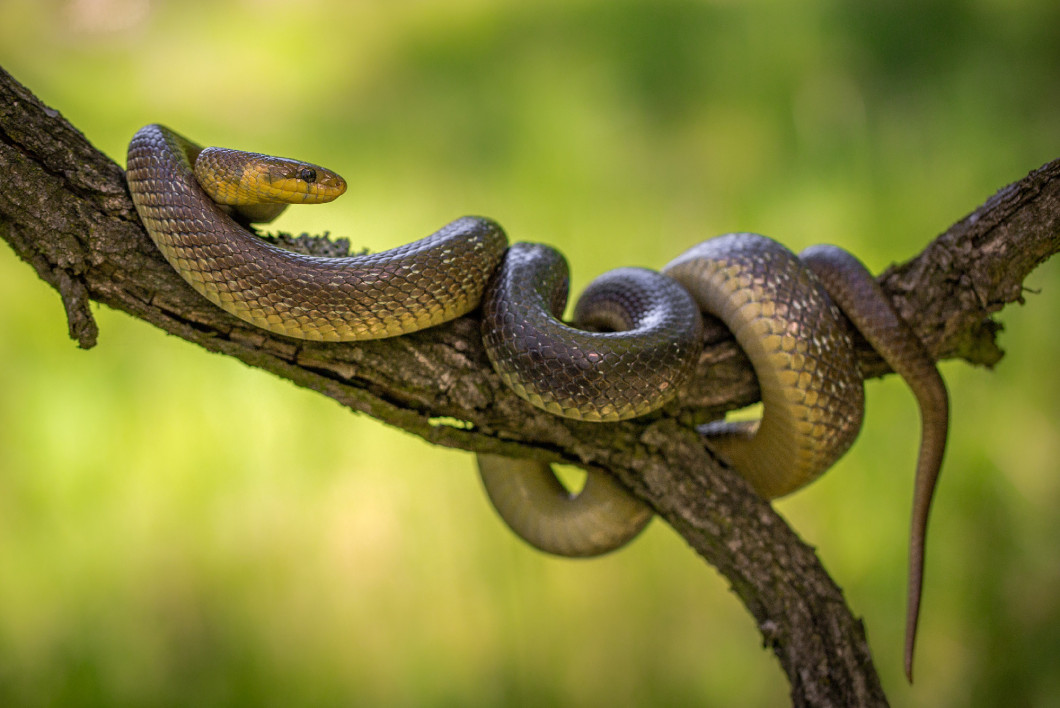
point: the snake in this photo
(634, 339)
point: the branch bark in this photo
(65, 210)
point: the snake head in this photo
(237, 178)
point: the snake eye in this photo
(308, 174)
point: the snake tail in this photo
(861, 299)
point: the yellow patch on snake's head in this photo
(300, 182)
(237, 178)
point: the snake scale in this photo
(633, 342)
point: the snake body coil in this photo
(643, 345)
(801, 351)
(634, 343)
(420, 285)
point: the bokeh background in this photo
(176, 528)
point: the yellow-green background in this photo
(178, 529)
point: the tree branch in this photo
(65, 210)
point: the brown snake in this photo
(784, 312)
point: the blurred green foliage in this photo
(176, 528)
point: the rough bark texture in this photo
(65, 210)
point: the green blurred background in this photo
(176, 528)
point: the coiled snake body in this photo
(635, 339)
